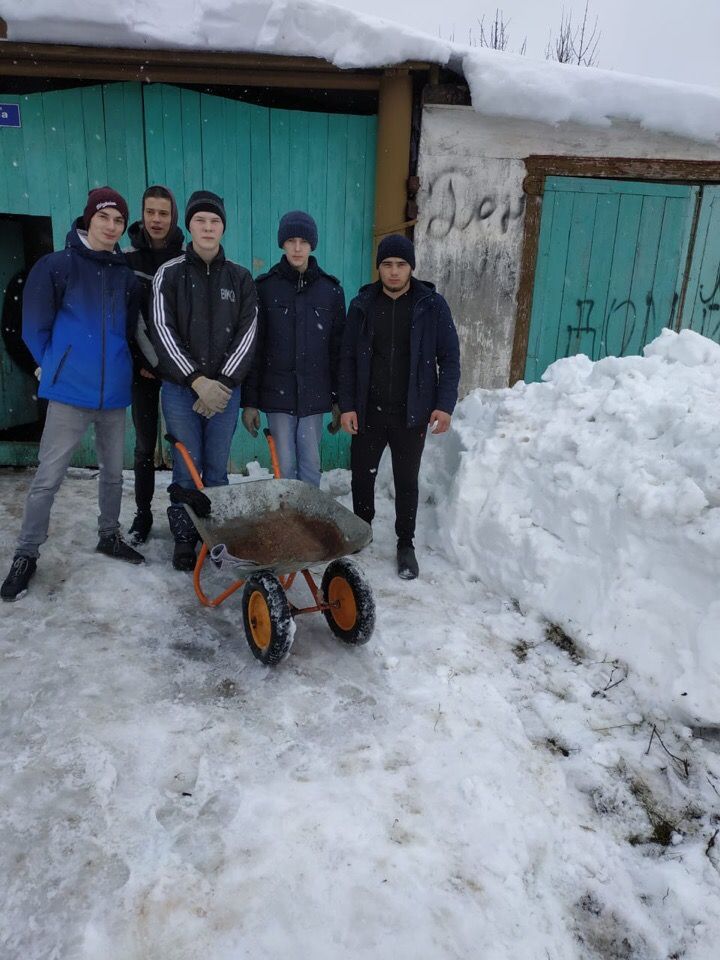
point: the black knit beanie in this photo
(396, 246)
(204, 201)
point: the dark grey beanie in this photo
(204, 201)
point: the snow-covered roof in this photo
(500, 83)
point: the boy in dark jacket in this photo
(293, 379)
(399, 372)
(156, 238)
(80, 308)
(203, 322)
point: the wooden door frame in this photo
(539, 167)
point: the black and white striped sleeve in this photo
(172, 355)
(242, 348)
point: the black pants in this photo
(406, 447)
(145, 401)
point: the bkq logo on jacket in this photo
(227, 294)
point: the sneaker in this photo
(16, 582)
(407, 565)
(115, 546)
(184, 556)
(140, 529)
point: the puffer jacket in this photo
(300, 322)
(80, 308)
(434, 355)
(203, 319)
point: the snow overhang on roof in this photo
(501, 84)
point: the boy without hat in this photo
(155, 239)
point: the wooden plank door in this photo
(264, 162)
(701, 310)
(610, 267)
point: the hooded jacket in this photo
(300, 322)
(203, 319)
(80, 309)
(145, 261)
(434, 363)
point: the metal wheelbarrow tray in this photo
(280, 528)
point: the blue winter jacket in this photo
(80, 308)
(300, 324)
(434, 355)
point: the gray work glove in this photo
(214, 395)
(334, 424)
(251, 420)
(199, 407)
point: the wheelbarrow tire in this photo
(352, 614)
(269, 626)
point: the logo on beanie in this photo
(105, 203)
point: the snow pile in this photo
(593, 499)
(500, 83)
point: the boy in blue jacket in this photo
(399, 373)
(80, 308)
(294, 376)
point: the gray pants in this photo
(64, 429)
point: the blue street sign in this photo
(10, 115)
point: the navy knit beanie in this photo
(204, 201)
(396, 246)
(298, 224)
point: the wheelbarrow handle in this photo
(273, 453)
(185, 454)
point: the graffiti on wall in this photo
(710, 319)
(457, 201)
(625, 325)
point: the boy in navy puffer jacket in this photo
(80, 308)
(294, 376)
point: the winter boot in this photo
(184, 556)
(16, 582)
(114, 546)
(407, 564)
(140, 529)
(185, 535)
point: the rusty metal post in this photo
(393, 154)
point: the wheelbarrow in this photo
(265, 532)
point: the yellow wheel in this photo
(269, 626)
(351, 616)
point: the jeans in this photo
(64, 429)
(297, 440)
(406, 447)
(208, 440)
(145, 400)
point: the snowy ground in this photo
(467, 785)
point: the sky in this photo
(657, 38)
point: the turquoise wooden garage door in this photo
(262, 161)
(611, 262)
(701, 307)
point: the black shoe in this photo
(141, 525)
(16, 582)
(184, 556)
(407, 564)
(115, 546)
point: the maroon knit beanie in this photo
(99, 199)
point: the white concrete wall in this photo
(471, 213)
